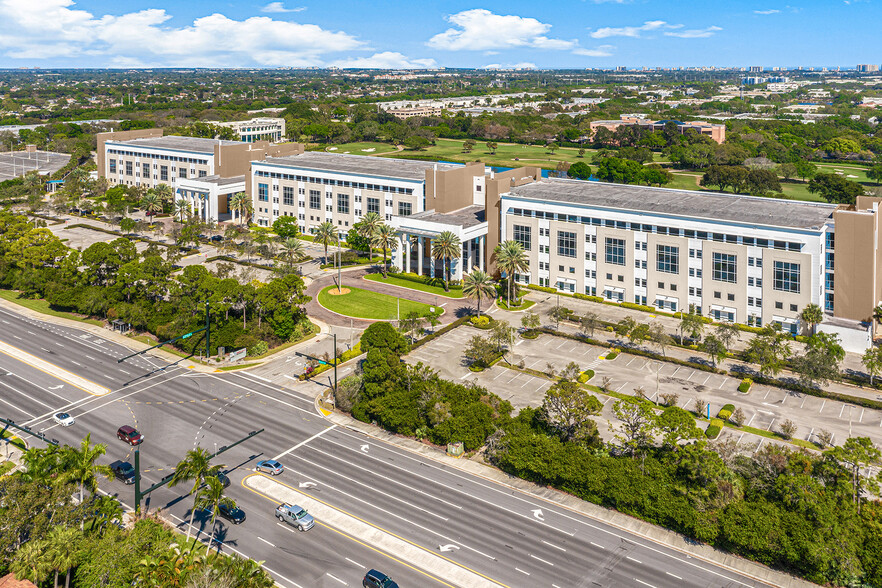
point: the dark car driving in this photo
(124, 471)
(233, 514)
(375, 579)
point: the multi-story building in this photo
(717, 132)
(258, 129)
(867, 67)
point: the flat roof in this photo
(469, 216)
(735, 208)
(216, 179)
(407, 169)
(194, 144)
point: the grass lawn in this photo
(360, 303)
(41, 306)
(505, 156)
(362, 148)
(13, 440)
(396, 281)
(524, 305)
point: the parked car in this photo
(234, 514)
(296, 516)
(130, 435)
(124, 472)
(375, 579)
(64, 419)
(271, 466)
(217, 238)
(223, 479)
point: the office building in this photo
(258, 129)
(717, 132)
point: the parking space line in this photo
(861, 418)
(723, 383)
(706, 379)
(530, 379)
(841, 410)
(822, 405)
(770, 424)
(804, 398)
(623, 386)
(751, 419)
(676, 370)
(689, 377)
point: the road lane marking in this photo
(522, 571)
(632, 559)
(328, 574)
(304, 442)
(542, 560)
(355, 562)
(553, 545)
(265, 541)
(644, 583)
(673, 575)
(16, 407)
(2, 383)
(596, 545)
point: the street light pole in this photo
(137, 480)
(335, 362)
(207, 332)
(339, 270)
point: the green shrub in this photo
(745, 385)
(542, 289)
(585, 376)
(612, 354)
(480, 321)
(713, 430)
(642, 307)
(726, 412)
(530, 334)
(597, 299)
(476, 367)
(258, 348)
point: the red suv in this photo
(130, 435)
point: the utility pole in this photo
(335, 362)
(137, 480)
(339, 270)
(207, 332)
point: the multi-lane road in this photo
(500, 536)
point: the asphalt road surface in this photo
(503, 536)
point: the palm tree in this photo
(165, 193)
(211, 498)
(61, 551)
(107, 509)
(195, 467)
(385, 238)
(242, 205)
(152, 203)
(511, 258)
(446, 247)
(368, 224)
(182, 209)
(325, 234)
(30, 562)
(80, 465)
(293, 249)
(478, 285)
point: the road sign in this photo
(187, 336)
(238, 354)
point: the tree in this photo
(675, 425)
(872, 360)
(727, 333)
(182, 209)
(211, 498)
(812, 315)
(511, 259)
(806, 170)
(61, 551)
(325, 235)
(468, 145)
(589, 323)
(659, 336)
(492, 145)
(834, 188)
(286, 227)
(714, 348)
(446, 247)
(579, 170)
(294, 249)
(875, 173)
(530, 321)
(820, 360)
(478, 286)
(195, 467)
(386, 239)
(480, 351)
(856, 453)
(738, 417)
(502, 334)
(411, 322)
(691, 323)
(241, 204)
(165, 193)
(357, 242)
(79, 465)
(637, 423)
(700, 406)
(567, 410)
(788, 170)
(151, 203)
(769, 350)
(788, 429)
(416, 143)
(382, 336)
(30, 562)
(620, 171)
(368, 225)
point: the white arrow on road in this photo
(58, 387)
(365, 448)
(448, 547)
(306, 484)
(538, 515)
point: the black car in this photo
(124, 472)
(216, 238)
(233, 514)
(223, 479)
(375, 579)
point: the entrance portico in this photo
(209, 197)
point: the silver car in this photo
(295, 515)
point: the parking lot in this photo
(764, 407)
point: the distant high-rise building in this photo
(621, 68)
(755, 68)
(867, 67)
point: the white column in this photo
(407, 252)
(419, 255)
(398, 254)
(431, 259)
(481, 253)
(471, 258)
(456, 269)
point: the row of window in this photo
(660, 230)
(145, 170)
(331, 182)
(125, 153)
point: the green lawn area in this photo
(362, 148)
(41, 306)
(847, 170)
(396, 281)
(360, 303)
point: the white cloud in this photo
(276, 7)
(386, 60)
(695, 33)
(45, 29)
(600, 51)
(521, 65)
(481, 30)
(770, 11)
(650, 25)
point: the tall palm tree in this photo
(478, 285)
(368, 224)
(293, 249)
(165, 193)
(385, 238)
(182, 209)
(80, 465)
(151, 203)
(325, 234)
(30, 562)
(446, 247)
(242, 205)
(61, 551)
(107, 510)
(195, 467)
(211, 497)
(511, 258)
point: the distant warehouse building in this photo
(717, 132)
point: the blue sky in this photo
(429, 33)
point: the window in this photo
(288, 195)
(730, 297)
(673, 287)
(202, 173)
(718, 295)
(661, 285)
(608, 276)
(405, 209)
(315, 200)
(615, 251)
(779, 305)
(787, 277)
(522, 235)
(343, 203)
(694, 272)
(263, 192)
(163, 173)
(793, 308)
(566, 244)
(145, 170)
(112, 164)
(128, 168)
(668, 259)
(373, 205)
(182, 172)
(724, 267)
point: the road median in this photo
(53, 370)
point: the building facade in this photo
(717, 132)
(258, 129)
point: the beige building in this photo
(258, 129)
(717, 132)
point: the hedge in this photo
(585, 376)
(457, 323)
(745, 385)
(713, 430)
(865, 402)
(412, 277)
(726, 412)
(612, 354)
